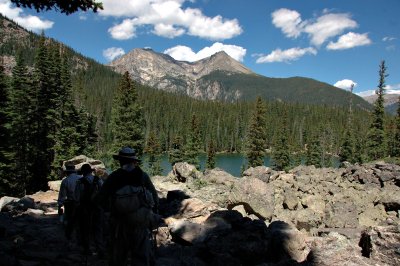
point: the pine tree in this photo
(176, 152)
(127, 122)
(348, 147)
(281, 153)
(193, 143)
(314, 152)
(5, 161)
(153, 151)
(396, 145)
(376, 146)
(256, 135)
(22, 129)
(210, 164)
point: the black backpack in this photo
(89, 191)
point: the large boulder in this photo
(261, 172)
(80, 160)
(219, 176)
(184, 172)
(7, 200)
(256, 195)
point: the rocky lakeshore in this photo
(308, 216)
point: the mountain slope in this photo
(391, 102)
(220, 77)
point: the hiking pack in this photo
(89, 191)
(134, 204)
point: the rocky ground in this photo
(309, 216)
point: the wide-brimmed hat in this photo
(70, 168)
(86, 168)
(126, 153)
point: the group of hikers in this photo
(129, 199)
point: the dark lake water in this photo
(230, 163)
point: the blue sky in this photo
(335, 41)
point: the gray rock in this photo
(218, 176)
(257, 195)
(7, 200)
(261, 172)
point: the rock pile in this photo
(308, 216)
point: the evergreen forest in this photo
(56, 104)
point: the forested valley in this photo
(56, 104)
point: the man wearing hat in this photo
(126, 238)
(89, 215)
(66, 198)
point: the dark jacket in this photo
(120, 178)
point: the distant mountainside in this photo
(220, 77)
(391, 102)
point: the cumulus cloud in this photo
(393, 89)
(349, 40)
(319, 30)
(123, 31)
(29, 22)
(113, 52)
(288, 55)
(345, 84)
(366, 93)
(184, 53)
(169, 19)
(289, 21)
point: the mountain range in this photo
(391, 102)
(220, 77)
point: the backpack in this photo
(134, 205)
(90, 190)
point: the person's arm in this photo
(149, 185)
(62, 194)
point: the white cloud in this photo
(288, 55)
(169, 19)
(388, 39)
(289, 21)
(113, 52)
(124, 31)
(184, 53)
(349, 40)
(167, 30)
(366, 93)
(345, 84)
(321, 29)
(389, 89)
(83, 16)
(328, 26)
(29, 22)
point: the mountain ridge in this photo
(220, 77)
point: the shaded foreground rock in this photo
(308, 216)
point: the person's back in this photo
(90, 215)
(127, 237)
(66, 199)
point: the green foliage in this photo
(67, 7)
(127, 122)
(199, 183)
(396, 142)
(314, 152)
(176, 152)
(210, 164)
(193, 143)
(256, 135)
(281, 151)
(376, 146)
(153, 151)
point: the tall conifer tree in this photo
(211, 155)
(4, 135)
(396, 150)
(314, 152)
(127, 122)
(153, 151)
(281, 153)
(256, 138)
(193, 143)
(176, 151)
(348, 147)
(376, 143)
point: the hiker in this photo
(130, 230)
(66, 199)
(89, 215)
